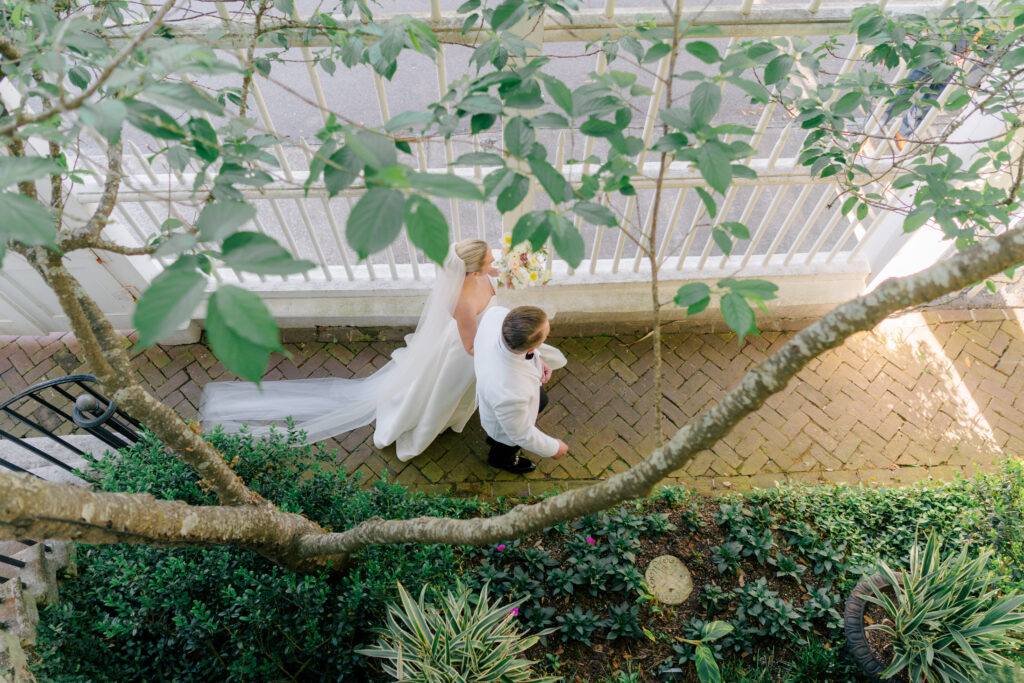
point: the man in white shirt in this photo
(509, 375)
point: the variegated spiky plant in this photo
(462, 640)
(949, 623)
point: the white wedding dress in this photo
(427, 387)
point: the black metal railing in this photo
(55, 409)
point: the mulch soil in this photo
(583, 663)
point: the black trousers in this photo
(503, 454)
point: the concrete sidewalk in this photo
(925, 395)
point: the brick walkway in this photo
(926, 395)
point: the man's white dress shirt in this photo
(508, 389)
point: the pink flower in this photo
(514, 612)
(501, 547)
(590, 540)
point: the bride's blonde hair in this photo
(472, 252)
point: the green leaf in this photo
(550, 120)
(519, 137)
(596, 128)
(204, 139)
(255, 252)
(375, 220)
(106, 116)
(153, 120)
(183, 96)
(673, 142)
(751, 288)
(559, 92)
(319, 162)
(26, 220)
(847, 103)
(722, 239)
(704, 51)
(427, 227)
(341, 170)
(705, 101)
(175, 244)
(219, 219)
(656, 52)
(444, 185)
(1012, 59)
(694, 297)
(918, 217)
(755, 90)
(738, 315)
(79, 77)
(408, 119)
(623, 79)
(481, 122)
(513, 195)
(707, 667)
(528, 224)
(715, 167)
(848, 205)
(286, 7)
(709, 201)
(595, 214)
(507, 14)
(376, 150)
(715, 630)
(567, 240)
(551, 180)
(479, 159)
(167, 304)
(480, 104)
(778, 69)
(525, 96)
(737, 230)
(15, 170)
(677, 117)
(241, 331)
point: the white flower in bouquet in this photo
(521, 267)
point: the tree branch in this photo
(81, 236)
(112, 366)
(69, 105)
(34, 508)
(768, 378)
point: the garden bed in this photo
(776, 564)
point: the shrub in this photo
(579, 624)
(462, 640)
(226, 614)
(948, 623)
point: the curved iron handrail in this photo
(102, 419)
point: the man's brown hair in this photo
(523, 328)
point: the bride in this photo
(427, 387)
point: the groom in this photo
(509, 375)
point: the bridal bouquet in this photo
(521, 267)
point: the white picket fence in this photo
(798, 236)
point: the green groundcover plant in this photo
(201, 614)
(139, 613)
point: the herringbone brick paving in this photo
(925, 395)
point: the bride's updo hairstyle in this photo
(472, 252)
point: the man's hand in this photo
(545, 373)
(563, 447)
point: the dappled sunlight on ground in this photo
(924, 395)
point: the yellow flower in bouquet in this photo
(521, 267)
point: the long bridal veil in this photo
(329, 406)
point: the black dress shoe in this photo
(519, 465)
